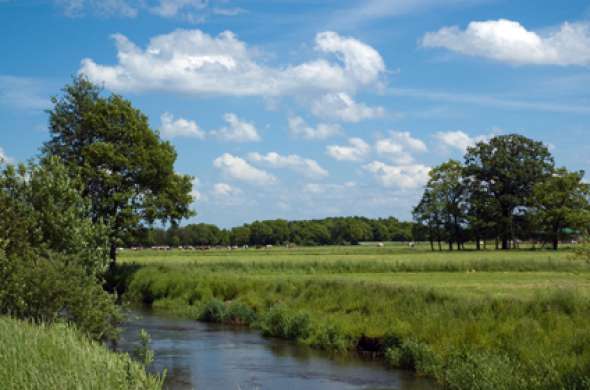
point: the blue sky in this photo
(306, 109)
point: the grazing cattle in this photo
(380, 245)
(411, 244)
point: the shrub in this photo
(276, 322)
(213, 311)
(332, 338)
(240, 314)
(480, 370)
(299, 327)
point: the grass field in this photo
(58, 357)
(469, 319)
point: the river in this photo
(210, 356)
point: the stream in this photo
(206, 356)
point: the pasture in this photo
(513, 319)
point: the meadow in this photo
(468, 319)
(58, 356)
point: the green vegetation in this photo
(470, 319)
(37, 356)
(127, 172)
(508, 190)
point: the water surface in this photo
(210, 356)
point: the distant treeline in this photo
(328, 231)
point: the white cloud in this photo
(225, 190)
(195, 193)
(356, 150)
(236, 130)
(298, 128)
(403, 177)
(458, 140)
(343, 107)
(75, 8)
(191, 61)
(304, 166)
(180, 127)
(400, 146)
(171, 8)
(508, 41)
(239, 169)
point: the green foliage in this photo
(127, 171)
(507, 167)
(42, 210)
(239, 313)
(52, 255)
(468, 326)
(144, 354)
(561, 201)
(56, 356)
(213, 311)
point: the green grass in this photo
(468, 319)
(58, 357)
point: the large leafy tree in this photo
(127, 171)
(561, 201)
(507, 168)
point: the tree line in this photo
(328, 231)
(507, 189)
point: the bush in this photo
(331, 338)
(276, 322)
(240, 314)
(56, 288)
(213, 311)
(480, 370)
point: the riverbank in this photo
(465, 327)
(58, 357)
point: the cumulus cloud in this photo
(458, 140)
(304, 166)
(236, 130)
(403, 177)
(356, 150)
(508, 41)
(191, 61)
(400, 147)
(342, 106)
(299, 128)
(171, 128)
(239, 169)
(225, 190)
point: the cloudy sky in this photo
(305, 109)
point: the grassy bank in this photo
(470, 320)
(58, 357)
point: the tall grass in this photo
(58, 357)
(464, 327)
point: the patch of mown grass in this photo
(59, 357)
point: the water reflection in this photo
(206, 356)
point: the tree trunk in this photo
(477, 243)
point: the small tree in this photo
(561, 201)
(127, 171)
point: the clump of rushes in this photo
(213, 311)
